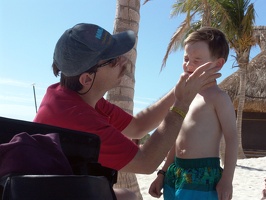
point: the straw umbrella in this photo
(255, 100)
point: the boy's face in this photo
(195, 55)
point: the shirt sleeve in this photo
(116, 150)
(116, 116)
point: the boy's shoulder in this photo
(215, 94)
(214, 90)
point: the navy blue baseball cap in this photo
(84, 45)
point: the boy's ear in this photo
(85, 79)
(220, 62)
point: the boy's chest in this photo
(201, 105)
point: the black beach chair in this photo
(90, 180)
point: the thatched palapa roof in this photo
(255, 88)
(256, 78)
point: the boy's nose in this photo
(189, 67)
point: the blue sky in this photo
(30, 30)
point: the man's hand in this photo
(190, 84)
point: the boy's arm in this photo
(226, 115)
(157, 185)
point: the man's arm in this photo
(150, 118)
(151, 154)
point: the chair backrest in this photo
(82, 151)
(79, 147)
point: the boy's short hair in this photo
(215, 39)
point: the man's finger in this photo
(201, 69)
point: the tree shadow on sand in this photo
(250, 168)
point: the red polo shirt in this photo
(65, 108)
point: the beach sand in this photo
(248, 180)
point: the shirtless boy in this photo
(192, 169)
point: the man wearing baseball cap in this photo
(90, 61)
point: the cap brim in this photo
(123, 42)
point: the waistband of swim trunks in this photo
(197, 162)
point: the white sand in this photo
(248, 181)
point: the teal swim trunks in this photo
(192, 179)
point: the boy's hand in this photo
(156, 187)
(224, 190)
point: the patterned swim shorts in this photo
(192, 179)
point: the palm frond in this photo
(184, 7)
(145, 1)
(179, 36)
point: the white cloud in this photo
(16, 98)
(12, 82)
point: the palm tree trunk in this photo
(127, 17)
(241, 103)
(129, 181)
(242, 60)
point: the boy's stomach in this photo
(197, 145)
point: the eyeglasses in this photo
(113, 61)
